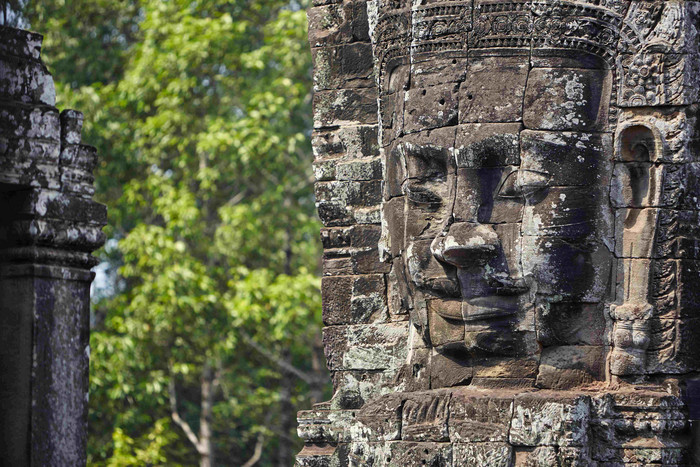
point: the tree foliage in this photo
(200, 110)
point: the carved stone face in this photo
(497, 214)
(533, 191)
(502, 207)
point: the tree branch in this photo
(284, 365)
(176, 416)
(257, 453)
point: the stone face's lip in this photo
(485, 307)
(488, 307)
(480, 314)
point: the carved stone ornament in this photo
(511, 199)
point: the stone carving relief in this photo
(539, 232)
(516, 227)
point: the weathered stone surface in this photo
(343, 67)
(382, 417)
(360, 347)
(566, 99)
(483, 454)
(539, 209)
(488, 144)
(569, 366)
(344, 106)
(446, 371)
(353, 299)
(433, 454)
(478, 419)
(424, 417)
(430, 107)
(494, 91)
(550, 419)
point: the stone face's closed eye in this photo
(522, 183)
(423, 196)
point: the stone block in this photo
(324, 169)
(337, 22)
(353, 388)
(26, 80)
(571, 366)
(364, 236)
(548, 418)
(494, 91)
(348, 142)
(368, 215)
(365, 347)
(566, 99)
(479, 197)
(367, 261)
(414, 375)
(325, 426)
(20, 43)
(341, 266)
(381, 418)
(334, 213)
(497, 368)
(477, 416)
(349, 193)
(313, 455)
(449, 68)
(344, 107)
(570, 323)
(425, 415)
(576, 272)
(345, 66)
(24, 121)
(444, 333)
(430, 107)
(541, 456)
(446, 371)
(353, 299)
(483, 454)
(403, 453)
(571, 213)
(360, 169)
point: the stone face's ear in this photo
(636, 194)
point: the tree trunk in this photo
(206, 445)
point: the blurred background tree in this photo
(206, 325)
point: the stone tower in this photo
(510, 192)
(49, 227)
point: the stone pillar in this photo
(50, 225)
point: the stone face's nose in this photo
(466, 245)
